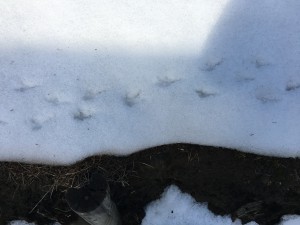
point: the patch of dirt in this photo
(246, 186)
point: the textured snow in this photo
(19, 222)
(80, 78)
(177, 208)
(290, 220)
(23, 222)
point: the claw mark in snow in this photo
(244, 77)
(291, 86)
(37, 122)
(204, 94)
(25, 86)
(83, 114)
(91, 94)
(166, 81)
(260, 62)
(132, 98)
(212, 64)
(265, 94)
(56, 98)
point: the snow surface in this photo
(177, 208)
(23, 222)
(88, 77)
(19, 222)
(290, 220)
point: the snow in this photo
(20, 222)
(80, 78)
(290, 220)
(168, 211)
(23, 222)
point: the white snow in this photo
(23, 222)
(290, 220)
(80, 78)
(19, 222)
(177, 208)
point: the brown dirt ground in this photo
(246, 186)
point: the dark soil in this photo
(246, 186)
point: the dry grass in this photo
(64, 177)
(46, 179)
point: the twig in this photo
(147, 165)
(39, 202)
